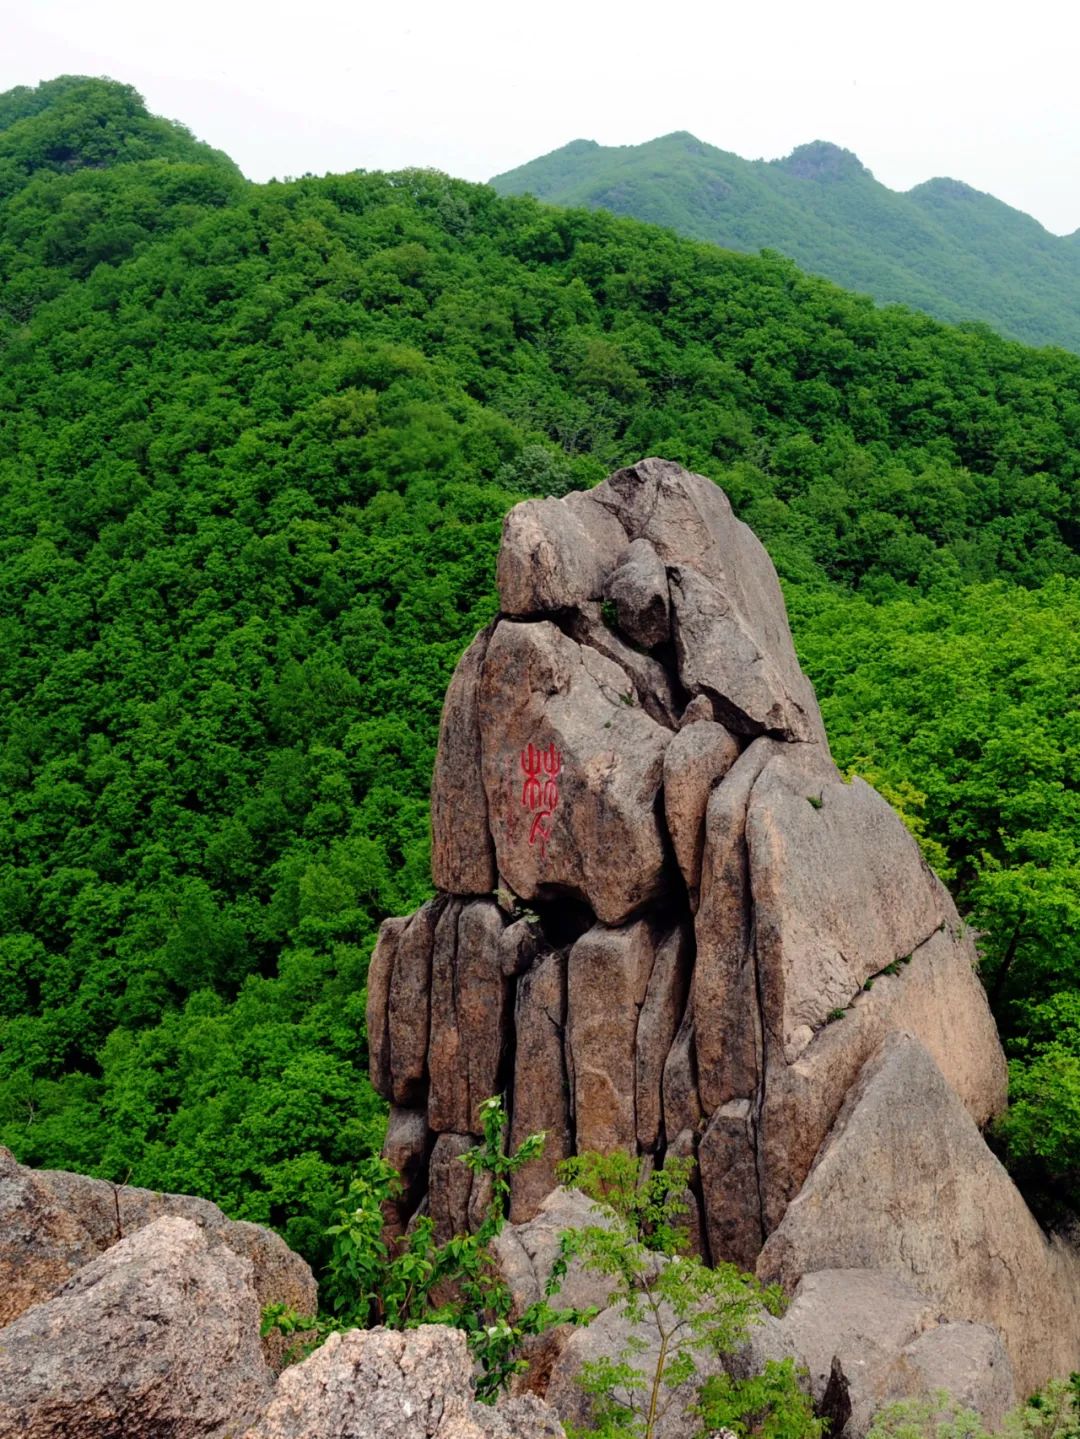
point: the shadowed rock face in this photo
(666, 922)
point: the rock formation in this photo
(111, 1352)
(129, 1314)
(666, 923)
(379, 1383)
(52, 1223)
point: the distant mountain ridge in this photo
(942, 247)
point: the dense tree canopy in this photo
(255, 446)
(942, 247)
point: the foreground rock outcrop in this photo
(53, 1223)
(666, 924)
(869, 1338)
(157, 1338)
(155, 1334)
(379, 1383)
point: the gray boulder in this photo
(556, 554)
(377, 1383)
(52, 1223)
(730, 626)
(527, 1253)
(872, 1339)
(968, 1361)
(906, 1183)
(42, 1243)
(611, 1334)
(638, 588)
(157, 1338)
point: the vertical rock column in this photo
(664, 922)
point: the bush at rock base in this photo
(1052, 1413)
(401, 1284)
(679, 1309)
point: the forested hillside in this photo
(942, 247)
(255, 447)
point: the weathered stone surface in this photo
(700, 708)
(698, 756)
(541, 1096)
(524, 1416)
(727, 1017)
(377, 1383)
(380, 973)
(448, 1084)
(470, 998)
(658, 1023)
(862, 1316)
(462, 854)
(112, 1353)
(607, 1337)
(840, 891)
(685, 1146)
(682, 1103)
(653, 686)
(407, 1146)
(968, 1361)
(556, 554)
(608, 977)
(527, 1253)
(683, 737)
(450, 1185)
(720, 655)
(71, 1218)
(938, 997)
(906, 1183)
(409, 1006)
(638, 588)
(42, 1243)
(730, 625)
(519, 944)
(878, 1337)
(591, 828)
(729, 1183)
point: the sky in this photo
(982, 92)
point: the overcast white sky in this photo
(983, 92)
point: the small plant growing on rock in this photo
(680, 1310)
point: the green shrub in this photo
(679, 1308)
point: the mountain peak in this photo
(821, 160)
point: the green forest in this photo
(942, 247)
(256, 443)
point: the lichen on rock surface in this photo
(698, 934)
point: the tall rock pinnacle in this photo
(665, 920)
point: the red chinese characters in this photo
(540, 790)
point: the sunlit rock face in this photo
(665, 922)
